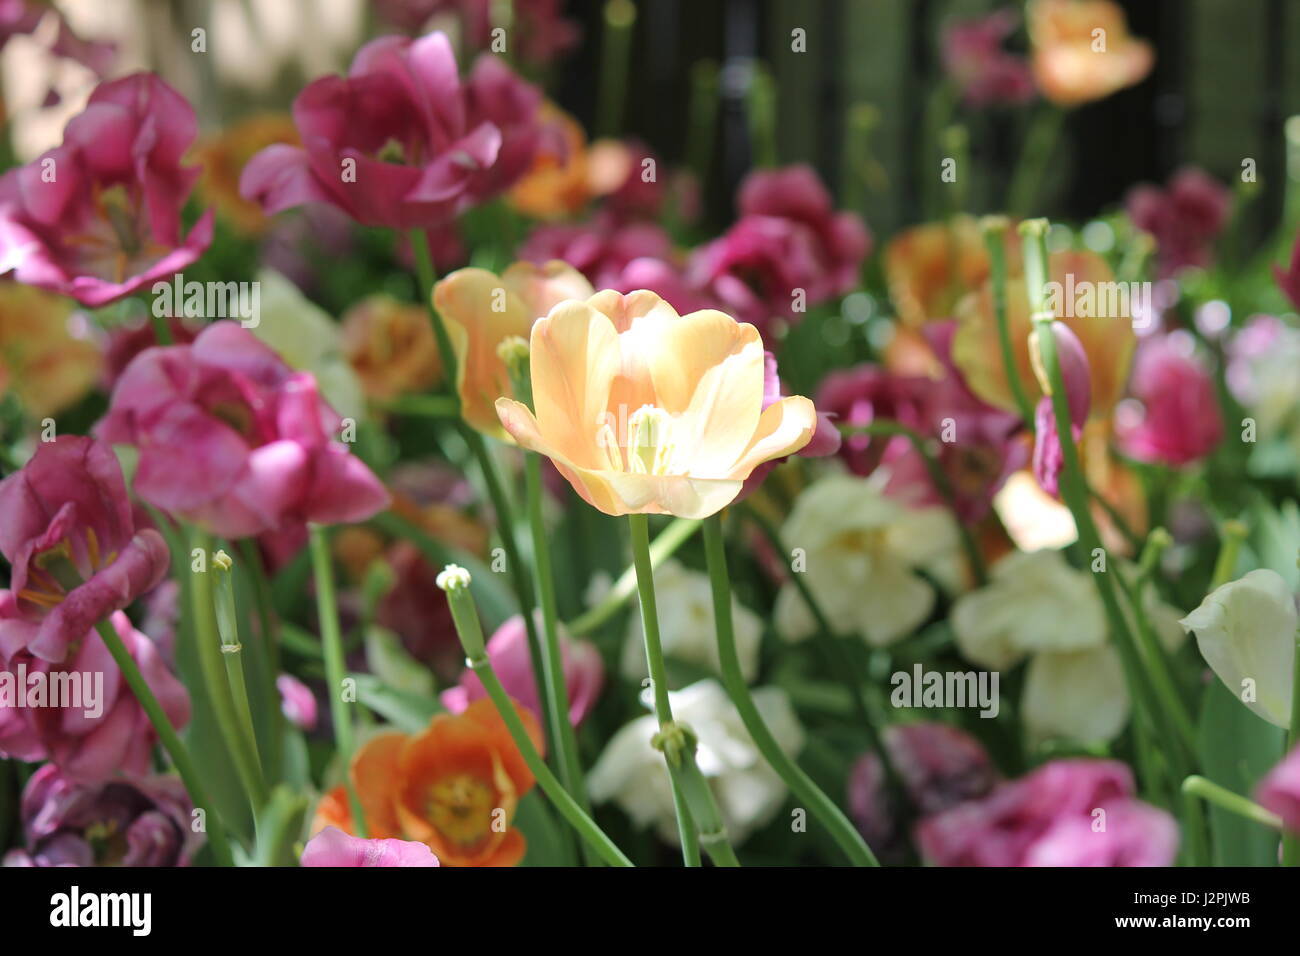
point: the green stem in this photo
(518, 570)
(1026, 181)
(332, 642)
(678, 747)
(1073, 483)
(470, 632)
(426, 274)
(939, 479)
(994, 229)
(1225, 799)
(703, 113)
(561, 729)
(429, 406)
(162, 331)
(208, 645)
(228, 629)
(661, 549)
(762, 118)
(615, 56)
(269, 635)
(1225, 566)
(170, 741)
(800, 784)
(1291, 840)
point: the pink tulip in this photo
(1077, 812)
(1288, 279)
(91, 747)
(65, 823)
(297, 702)
(1176, 418)
(234, 440)
(789, 249)
(984, 72)
(70, 502)
(1279, 791)
(1185, 217)
(977, 445)
(400, 141)
(333, 847)
(938, 766)
(584, 673)
(99, 217)
(601, 249)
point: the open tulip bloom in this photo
(498, 484)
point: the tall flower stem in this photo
(228, 629)
(661, 549)
(675, 740)
(994, 229)
(1291, 840)
(562, 736)
(803, 787)
(332, 644)
(496, 491)
(615, 59)
(217, 838)
(1073, 484)
(208, 647)
(1040, 140)
(455, 582)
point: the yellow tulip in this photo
(480, 310)
(645, 411)
(43, 360)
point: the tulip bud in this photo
(1075, 372)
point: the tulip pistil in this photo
(650, 446)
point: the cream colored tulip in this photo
(481, 309)
(648, 412)
(1246, 631)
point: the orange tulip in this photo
(454, 787)
(481, 310)
(557, 182)
(391, 347)
(41, 361)
(223, 157)
(1108, 341)
(931, 266)
(645, 411)
(1082, 50)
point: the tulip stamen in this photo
(650, 446)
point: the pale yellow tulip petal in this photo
(574, 360)
(479, 312)
(783, 428)
(680, 495)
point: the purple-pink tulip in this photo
(333, 847)
(401, 141)
(69, 504)
(92, 743)
(789, 249)
(99, 217)
(982, 70)
(507, 649)
(1288, 279)
(938, 766)
(234, 440)
(297, 702)
(1185, 217)
(1076, 812)
(144, 822)
(1279, 791)
(1174, 418)
(601, 248)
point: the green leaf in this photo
(548, 843)
(390, 662)
(404, 710)
(1237, 748)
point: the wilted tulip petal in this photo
(1246, 632)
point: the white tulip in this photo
(1246, 631)
(749, 792)
(859, 553)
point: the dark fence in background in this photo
(1227, 75)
